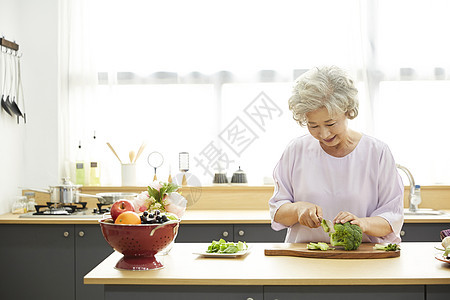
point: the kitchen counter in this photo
(199, 217)
(415, 266)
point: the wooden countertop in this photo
(415, 266)
(201, 217)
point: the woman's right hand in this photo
(305, 213)
(308, 214)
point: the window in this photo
(186, 76)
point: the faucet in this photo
(412, 207)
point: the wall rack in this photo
(8, 44)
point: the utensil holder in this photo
(128, 174)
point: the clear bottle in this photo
(94, 164)
(416, 198)
(80, 172)
(19, 206)
(31, 201)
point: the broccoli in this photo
(325, 226)
(389, 247)
(347, 235)
(318, 246)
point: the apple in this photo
(121, 206)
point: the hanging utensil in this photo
(4, 103)
(14, 107)
(20, 95)
(11, 83)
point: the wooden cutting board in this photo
(365, 250)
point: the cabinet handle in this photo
(66, 233)
(225, 233)
(81, 233)
(402, 233)
(241, 232)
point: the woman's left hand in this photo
(345, 216)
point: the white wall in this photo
(29, 153)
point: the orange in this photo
(128, 217)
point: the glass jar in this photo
(19, 206)
(31, 201)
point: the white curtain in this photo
(79, 102)
(190, 75)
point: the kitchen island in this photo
(65, 249)
(416, 274)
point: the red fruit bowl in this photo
(139, 243)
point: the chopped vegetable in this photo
(318, 246)
(347, 235)
(447, 252)
(446, 242)
(325, 226)
(388, 247)
(222, 246)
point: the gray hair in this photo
(328, 87)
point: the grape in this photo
(155, 217)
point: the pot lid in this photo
(66, 183)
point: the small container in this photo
(19, 206)
(128, 174)
(239, 177)
(31, 201)
(220, 178)
(94, 173)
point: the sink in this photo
(423, 212)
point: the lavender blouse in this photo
(365, 182)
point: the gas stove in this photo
(74, 210)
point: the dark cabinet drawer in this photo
(419, 232)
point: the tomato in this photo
(128, 217)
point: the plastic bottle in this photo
(94, 164)
(416, 199)
(79, 167)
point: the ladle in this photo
(20, 90)
(11, 84)
(14, 107)
(5, 105)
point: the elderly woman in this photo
(335, 173)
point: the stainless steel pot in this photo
(110, 198)
(65, 193)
